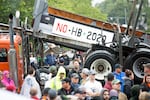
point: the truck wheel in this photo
(101, 61)
(44, 75)
(135, 63)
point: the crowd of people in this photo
(78, 83)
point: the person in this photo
(75, 81)
(39, 60)
(145, 86)
(93, 87)
(135, 92)
(50, 59)
(144, 96)
(52, 74)
(105, 94)
(8, 82)
(66, 59)
(66, 87)
(84, 75)
(33, 93)
(110, 78)
(116, 85)
(56, 81)
(113, 94)
(33, 59)
(80, 93)
(45, 93)
(75, 69)
(146, 68)
(1, 77)
(52, 94)
(29, 82)
(78, 57)
(128, 82)
(118, 74)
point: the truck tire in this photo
(135, 63)
(101, 61)
(44, 75)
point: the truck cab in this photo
(4, 61)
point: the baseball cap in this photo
(115, 81)
(61, 60)
(74, 75)
(118, 66)
(147, 65)
(52, 69)
(52, 94)
(67, 80)
(113, 92)
(85, 71)
(92, 72)
(110, 77)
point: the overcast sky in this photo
(96, 1)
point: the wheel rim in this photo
(44, 77)
(102, 67)
(138, 68)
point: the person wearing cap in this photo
(65, 58)
(52, 94)
(116, 85)
(56, 81)
(53, 72)
(75, 81)
(119, 74)
(110, 78)
(113, 94)
(61, 61)
(66, 87)
(93, 86)
(84, 75)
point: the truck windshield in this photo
(3, 55)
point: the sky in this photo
(96, 1)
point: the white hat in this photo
(85, 71)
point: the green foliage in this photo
(80, 7)
(116, 8)
(10, 6)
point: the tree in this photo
(26, 8)
(116, 8)
(80, 7)
(9, 6)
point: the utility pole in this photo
(12, 54)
